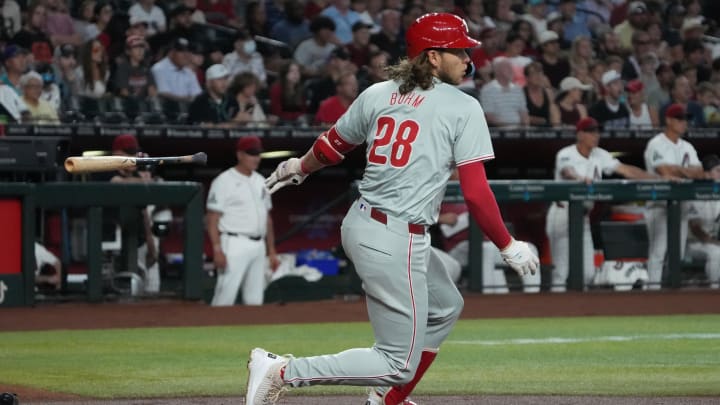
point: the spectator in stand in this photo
(59, 25)
(542, 110)
(473, 11)
(293, 27)
(482, 56)
(569, 101)
(173, 76)
(132, 76)
(211, 106)
(41, 112)
(669, 156)
(502, 13)
(375, 71)
(360, 48)
(255, 18)
(331, 109)
(674, 17)
(637, 19)
(574, 23)
(15, 60)
(503, 101)
(32, 37)
(146, 10)
(312, 53)
(84, 18)
(513, 52)
(555, 66)
(555, 24)
(389, 38)
(138, 27)
(525, 31)
(220, 12)
(245, 58)
(198, 16)
(323, 87)
(369, 12)
(581, 53)
(536, 13)
(658, 46)
(197, 62)
(611, 112)
(286, 96)
(181, 26)
(12, 108)
(50, 90)
(597, 69)
(640, 46)
(642, 116)
(660, 95)
(680, 92)
(10, 18)
(694, 52)
(66, 74)
(707, 97)
(608, 43)
(597, 12)
(648, 63)
(243, 103)
(102, 14)
(614, 63)
(93, 73)
(343, 17)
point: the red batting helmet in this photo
(438, 30)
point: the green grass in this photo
(669, 355)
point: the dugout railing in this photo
(577, 194)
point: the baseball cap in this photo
(553, 16)
(610, 76)
(548, 36)
(136, 19)
(216, 71)
(692, 23)
(677, 111)
(181, 44)
(339, 53)
(126, 143)
(12, 51)
(634, 86)
(570, 83)
(180, 9)
(587, 124)
(360, 25)
(67, 51)
(252, 145)
(637, 7)
(710, 161)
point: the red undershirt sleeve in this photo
(482, 204)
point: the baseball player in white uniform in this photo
(415, 125)
(704, 224)
(240, 228)
(669, 156)
(583, 161)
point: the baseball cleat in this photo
(264, 386)
(376, 398)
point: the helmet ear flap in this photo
(470, 70)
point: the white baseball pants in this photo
(245, 269)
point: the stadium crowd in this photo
(302, 62)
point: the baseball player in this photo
(704, 224)
(669, 156)
(583, 161)
(240, 228)
(415, 125)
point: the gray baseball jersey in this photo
(412, 142)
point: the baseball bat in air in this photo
(79, 164)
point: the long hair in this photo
(412, 73)
(292, 96)
(87, 64)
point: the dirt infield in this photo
(170, 313)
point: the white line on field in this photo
(556, 340)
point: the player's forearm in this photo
(213, 230)
(270, 237)
(329, 149)
(696, 173)
(482, 204)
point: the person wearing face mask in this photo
(245, 58)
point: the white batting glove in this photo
(519, 256)
(287, 172)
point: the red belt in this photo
(381, 217)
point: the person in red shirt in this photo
(286, 96)
(333, 107)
